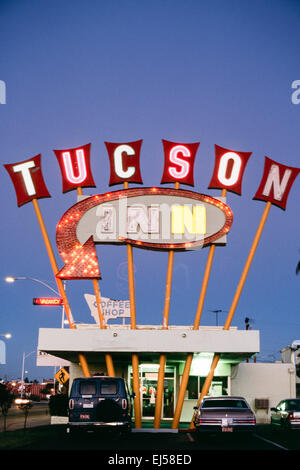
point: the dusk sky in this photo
(215, 72)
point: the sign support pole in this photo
(108, 357)
(82, 358)
(163, 357)
(236, 298)
(189, 358)
(135, 358)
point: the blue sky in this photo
(217, 72)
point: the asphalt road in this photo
(55, 437)
(38, 416)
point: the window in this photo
(224, 404)
(293, 405)
(108, 388)
(87, 388)
(192, 388)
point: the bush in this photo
(58, 405)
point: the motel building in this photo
(262, 384)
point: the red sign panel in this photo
(124, 159)
(276, 183)
(229, 169)
(47, 301)
(28, 181)
(179, 162)
(75, 168)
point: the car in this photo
(224, 414)
(286, 415)
(99, 403)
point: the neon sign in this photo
(28, 180)
(49, 301)
(229, 169)
(179, 162)
(75, 168)
(124, 161)
(153, 218)
(276, 183)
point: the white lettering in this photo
(24, 168)
(184, 165)
(119, 169)
(82, 172)
(273, 180)
(223, 177)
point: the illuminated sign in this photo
(229, 169)
(179, 162)
(276, 183)
(75, 167)
(124, 162)
(28, 180)
(47, 301)
(153, 218)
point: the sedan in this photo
(286, 415)
(224, 414)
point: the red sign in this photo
(28, 181)
(75, 167)
(276, 183)
(229, 169)
(47, 301)
(124, 162)
(179, 162)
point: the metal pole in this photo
(163, 357)
(82, 359)
(108, 357)
(135, 358)
(236, 298)
(22, 378)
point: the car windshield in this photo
(224, 404)
(293, 405)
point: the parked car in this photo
(99, 403)
(286, 415)
(224, 414)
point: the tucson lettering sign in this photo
(152, 218)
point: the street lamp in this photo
(7, 335)
(11, 279)
(23, 367)
(217, 314)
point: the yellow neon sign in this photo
(183, 218)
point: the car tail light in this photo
(124, 404)
(71, 404)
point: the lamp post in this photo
(11, 279)
(217, 314)
(23, 367)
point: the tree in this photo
(6, 399)
(25, 406)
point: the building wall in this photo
(272, 381)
